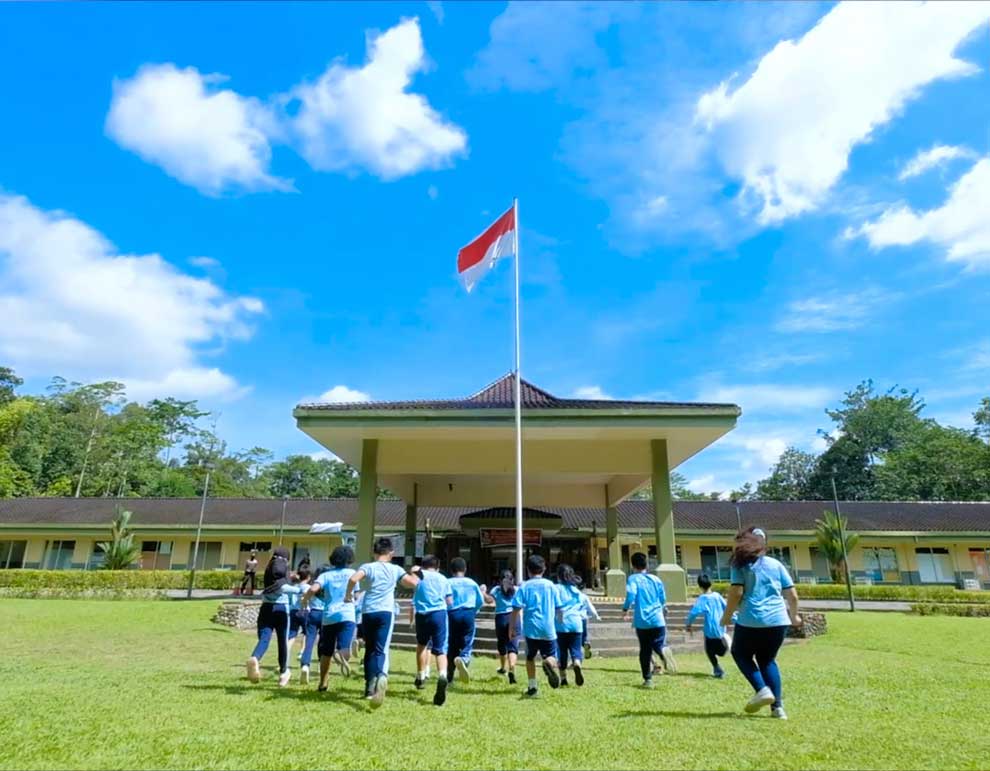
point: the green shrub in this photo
(115, 580)
(892, 592)
(26, 593)
(951, 609)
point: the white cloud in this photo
(205, 136)
(323, 455)
(591, 392)
(341, 394)
(207, 263)
(364, 118)
(935, 156)
(702, 484)
(432, 192)
(960, 225)
(436, 8)
(788, 130)
(833, 312)
(768, 396)
(72, 305)
(768, 362)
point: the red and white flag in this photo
(480, 256)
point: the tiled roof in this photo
(864, 516)
(500, 395)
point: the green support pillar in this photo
(672, 574)
(615, 578)
(367, 497)
(411, 511)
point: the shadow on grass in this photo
(309, 696)
(682, 713)
(659, 678)
(223, 630)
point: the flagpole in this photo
(520, 576)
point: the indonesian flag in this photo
(480, 256)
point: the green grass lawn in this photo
(90, 684)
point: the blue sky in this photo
(256, 204)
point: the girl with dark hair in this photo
(337, 617)
(568, 623)
(273, 617)
(764, 594)
(505, 636)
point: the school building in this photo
(900, 543)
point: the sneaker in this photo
(718, 674)
(553, 676)
(378, 690)
(304, 676)
(762, 698)
(668, 660)
(532, 692)
(578, 675)
(512, 678)
(355, 647)
(253, 670)
(564, 683)
(345, 667)
(588, 652)
(441, 695)
(462, 670)
(500, 671)
(778, 712)
(648, 683)
(284, 678)
(419, 684)
(322, 688)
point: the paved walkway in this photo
(881, 605)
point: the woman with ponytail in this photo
(273, 616)
(508, 650)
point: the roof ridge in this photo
(510, 376)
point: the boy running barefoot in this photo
(536, 602)
(646, 598)
(430, 602)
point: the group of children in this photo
(341, 602)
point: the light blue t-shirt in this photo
(333, 587)
(711, 606)
(503, 604)
(646, 596)
(294, 599)
(432, 593)
(284, 596)
(587, 608)
(569, 608)
(762, 582)
(538, 599)
(467, 593)
(380, 580)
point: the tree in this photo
(789, 478)
(936, 464)
(829, 540)
(177, 420)
(120, 551)
(300, 476)
(982, 419)
(9, 382)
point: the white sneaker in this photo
(378, 691)
(762, 698)
(649, 683)
(462, 670)
(284, 678)
(253, 670)
(304, 675)
(778, 712)
(668, 660)
(345, 666)
(355, 647)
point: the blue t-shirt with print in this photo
(762, 604)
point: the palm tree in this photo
(828, 532)
(120, 551)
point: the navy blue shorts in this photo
(505, 641)
(431, 631)
(336, 637)
(546, 648)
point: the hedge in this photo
(115, 580)
(951, 609)
(893, 592)
(25, 593)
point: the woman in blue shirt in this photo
(273, 617)
(764, 594)
(568, 623)
(505, 635)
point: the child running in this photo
(646, 597)
(467, 601)
(568, 624)
(505, 632)
(431, 601)
(588, 610)
(381, 577)
(710, 606)
(298, 615)
(312, 605)
(337, 617)
(273, 617)
(536, 602)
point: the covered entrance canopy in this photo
(460, 452)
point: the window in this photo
(935, 566)
(58, 555)
(782, 554)
(208, 557)
(12, 554)
(980, 559)
(715, 561)
(819, 565)
(156, 555)
(96, 558)
(880, 563)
